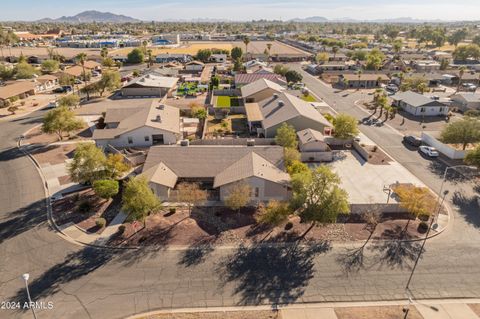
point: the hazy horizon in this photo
(246, 10)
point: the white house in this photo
(419, 105)
(141, 126)
(466, 101)
(150, 85)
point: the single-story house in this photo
(362, 81)
(167, 57)
(168, 72)
(244, 79)
(150, 85)
(254, 64)
(47, 82)
(313, 147)
(140, 126)
(332, 66)
(418, 104)
(337, 57)
(194, 66)
(260, 90)
(93, 65)
(76, 71)
(261, 70)
(217, 169)
(17, 89)
(218, 58)
(426, 65)
(120, 58)
(266, 116)
(466, 101)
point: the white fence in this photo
(445, 149)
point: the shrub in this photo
(288, 226)
(172, 210)
(422, 227)
(374, 149)
(100, 222)
(84, 207)
(121, 229)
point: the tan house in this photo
(266, 116)
(313, 147)
(217, 169)
(18, 89)
(150, 85)
(140, 126)
(362, 81)
(260, 90)
(47, 82)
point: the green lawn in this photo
(223, 101)
(187, 88)
(308, 98)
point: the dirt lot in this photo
(235, 124)
(386, 312)
(42, 51)
(476, 308)
(54, 154)
(216, 225)
(254, 47)
(36, 136)
(218, 315)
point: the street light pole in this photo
(30, 303)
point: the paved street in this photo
(98, 283)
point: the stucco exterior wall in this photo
(266, 190)
(138, 138)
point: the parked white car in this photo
(429, 151)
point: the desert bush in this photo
(100, 222)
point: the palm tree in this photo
(359, 74)
(246, 41)
(81, 58)
(335, 51)
(269, 47)
(400, 76)
(461, 72)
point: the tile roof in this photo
(252, 77)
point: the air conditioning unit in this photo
(184, 143)
(281, 103)
(251, 142)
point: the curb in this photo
(299, 306)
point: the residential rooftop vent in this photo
(184, 143)
(158, 118)
(281, 103)
(161, 107)
(251, 142)
(275, 96)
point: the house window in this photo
(422, 110)
(130, 140)
(257, 192)
(147, 138)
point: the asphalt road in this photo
(98, 283)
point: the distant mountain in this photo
(315, 19)
(93, 16)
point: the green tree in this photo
(293, 76)
(88, 164)
(280, 69)
(105, 188)
(473, 157)
(50, 66)
(290, 156)
(61, 120)
(236, 53)
(108, 62)
(318, 196)
(191, 194)
(24, 71)
(110, 81)
(238, 196)
(345, 127)
(138, 200)
(136, 56)
(321, 57)
(286, 136)
(273, 214)
(375, 59)
(464, 132)
(204, 55)
(115, 166)
(6, 73)
(416, 200)
(238, 66)
(457, 37)
(199, 112)
(69, 101)
(297, 167)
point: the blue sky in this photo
(246, 9)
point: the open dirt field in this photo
(42, 51)
(217, 315)
(254, 47)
